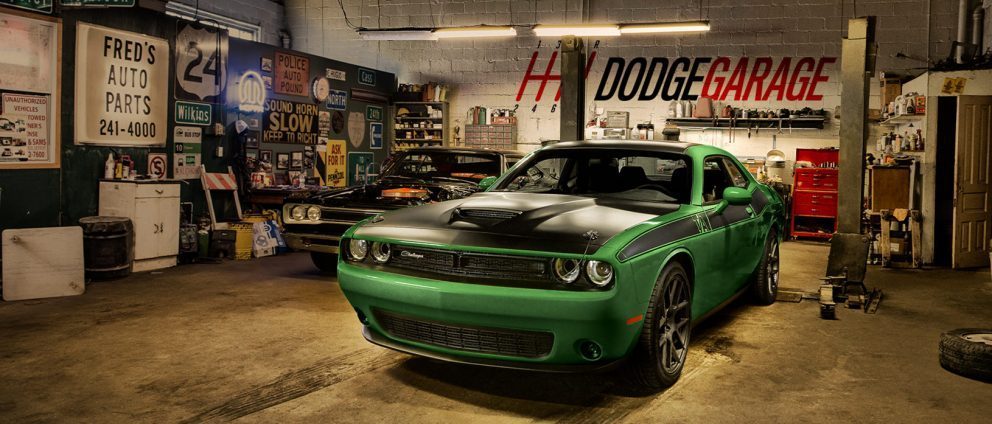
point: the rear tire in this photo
(325, 262)
(660, 353)
(764, 288)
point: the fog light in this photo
(361, 317)
(590, 350)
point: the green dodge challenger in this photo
(583, 256)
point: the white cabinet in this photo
(154, 209)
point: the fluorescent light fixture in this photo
(401, 34)
(577, 30)
(699, 26)
(475, 32)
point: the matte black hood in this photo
(525, 221)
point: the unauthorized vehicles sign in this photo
(193, 113)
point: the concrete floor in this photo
(272, 341)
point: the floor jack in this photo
(844, 282)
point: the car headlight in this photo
(380, 252)
(358, 249)
(297, 213)
(566, 270)
(599, 273)
(313, 213)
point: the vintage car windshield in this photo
(622, 174)
(454, 166)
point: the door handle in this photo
(158, 191)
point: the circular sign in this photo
(251, 92)
(156, 166)
(320, 88)
(337, 122)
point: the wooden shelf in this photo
(902, 119)
(807, 122)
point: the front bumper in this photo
(313, 242)
(572, 317)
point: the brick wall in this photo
(489, 72)
(268, 14)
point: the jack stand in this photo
(844, 282)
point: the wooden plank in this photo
(42, 262)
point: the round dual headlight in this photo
(358, 249)
(599, 273)
(313, 213)
(380, 252)
(566, 270)
(297, 213)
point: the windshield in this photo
(607, 173)
(467, 167)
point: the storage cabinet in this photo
(153, 207)
(814, 194)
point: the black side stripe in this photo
(732, 215)
(665, 234)
(759, 201)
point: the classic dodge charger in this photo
(584, 256)
(409, 178)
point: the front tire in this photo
(325, 262)
(764, 288)
(659, 356)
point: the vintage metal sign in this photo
(186, 160)
(292, 74)
(193, 113)
(373, 113)
(25, 129)
(122, 81)
(337, 99)
(35, 5)
(375, 135)
(366, 77)
(201, 62)
(290, 122)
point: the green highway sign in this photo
(193, 113)
(35, 5)
(98, 3)
(373, 113)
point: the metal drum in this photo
(108, 246)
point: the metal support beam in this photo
(573, 89)
(857, 66)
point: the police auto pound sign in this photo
(122, 81)
(201, 62)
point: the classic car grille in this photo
(488, 213)
(448, 262)
(497, 341)
(345, 214)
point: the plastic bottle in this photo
(108, 167)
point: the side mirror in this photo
(734, 196)
(487, 182)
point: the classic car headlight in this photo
(297, 213)
(599, 273)
(380, 252)
(566, 270)
(358, 249)
(313, 213)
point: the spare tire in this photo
(967, 352)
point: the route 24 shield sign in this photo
(201, 62)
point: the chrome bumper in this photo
(313, 242)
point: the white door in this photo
(147, 228)
(972, 211)
(168, 244)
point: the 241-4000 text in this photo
(133, 129)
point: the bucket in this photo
(108, 247)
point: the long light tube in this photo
(475, 32)
(665, 27)
(577, 30)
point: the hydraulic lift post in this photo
(573, 89)
(846, 265)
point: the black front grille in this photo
(497, 341)
(446, 262)
(345, 214)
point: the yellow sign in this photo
(337, 163)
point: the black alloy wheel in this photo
(660, 354)
(764, 287)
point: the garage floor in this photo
(272, 341)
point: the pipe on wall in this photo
(977, 26)
(962, 37)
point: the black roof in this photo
(654, 146)
(462, 150)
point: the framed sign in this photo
(30, 65)
(122, 87)
(292, 74)
(201, 62)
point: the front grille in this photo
(345, 214)
(446, 262)
(496, 341)
(495, 214)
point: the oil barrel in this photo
(108, 246)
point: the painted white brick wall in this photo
(489, 72)
(268, 14)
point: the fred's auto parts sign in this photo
(684, 78)
(122, 85)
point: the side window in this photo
(736, 175)
(715, 179)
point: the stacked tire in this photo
(967, 352)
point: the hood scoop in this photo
(485, 214)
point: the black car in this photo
(409, 178)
